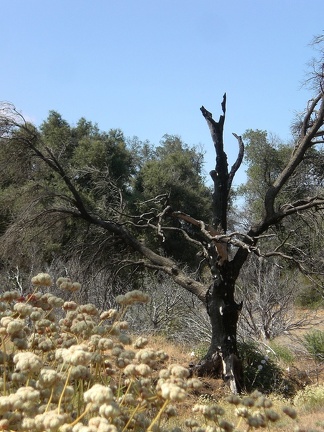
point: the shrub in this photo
(310, 399)
(261, 372)
(282, 353)
(80, 371)
(314, 343)
(310, 298)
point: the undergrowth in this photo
(66, 367)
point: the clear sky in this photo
(147, 66)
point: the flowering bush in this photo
(66, 367)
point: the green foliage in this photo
(104, 152)
(310, 297)
(175, 169)
(314, 343)
(282, 353)
(112, 175)
(99, 163)
(56, 134)
(298, 236)
(261, 372)
(310, 399)
(201, 350)
(265, 158)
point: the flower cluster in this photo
(54, 348)
(42, 279)
(132, 297)
(65, 367)
(65, 284)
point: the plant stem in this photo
(4, 367)
(81, 416)
(131, 417)
(63, 391)
(158, 416)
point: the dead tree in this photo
(214, 239)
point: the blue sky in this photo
(147, 66)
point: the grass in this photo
(65, 367)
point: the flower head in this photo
(98, 395)
(27, 362)
(172, 391)
(135, 296)
(42, 279)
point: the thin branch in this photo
(238, 161)
(305, 142)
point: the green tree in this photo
(298, 237)
(176, 170)
(172, 174)
(265, 157)
(99, 163)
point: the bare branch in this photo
(301, 205)
(238, 161)
(311, 126)
(208, 231)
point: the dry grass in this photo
(303, 370)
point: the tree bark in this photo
(222, 358)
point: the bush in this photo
(310, 298)
(261, 372)
(314, 343)
(66, 367)
(310, 399)
(282, 353)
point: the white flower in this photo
(42, 279)
(48, 377)
(49, 421)
(131, 297)
(76, 355)
(179, 371)
(27, 362)
(102, 425)
(109, 314)
(143, 370)
(15, 326)
(140, 342)
(23, 309)
(98, 394)
(109, 410)
(105, 344)
(172, 391)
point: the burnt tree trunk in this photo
(222, 358)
